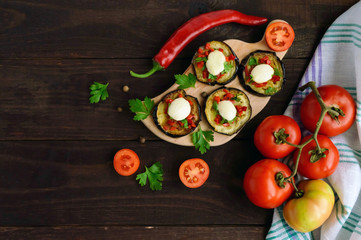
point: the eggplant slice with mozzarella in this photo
(177, 114)
(262, 73)
(227, 110)
(215, 63)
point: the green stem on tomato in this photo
(324, 109)
(294, 185)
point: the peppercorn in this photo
(142, 140)
(125, 88)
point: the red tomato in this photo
(335, 96)
(193, 172)
(323, 167)
(126, 162)
(265, 141)
(261, 187)
(279, 36)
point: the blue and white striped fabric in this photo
(337, 60)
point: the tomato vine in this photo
(317, 153)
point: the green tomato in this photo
(311, 210)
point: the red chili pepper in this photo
(193, 28)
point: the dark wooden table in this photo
(56, 150)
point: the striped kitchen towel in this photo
(337, 60)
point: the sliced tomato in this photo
(126, 162)
(193, 172)
(279, 36)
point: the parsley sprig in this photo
(155, 176)
(185, 81)
(227, 67)
(98, 92)
(201, 140)
(141, 109)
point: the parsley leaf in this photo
(270, 90)
(235, 98)
(185, 122)
(212, 77)
(227, 67)
(98, 92)
(201, 140)
(155, 176)
(201, 59)
(141, 109)
(185, 81)
(215, 106)
(277, 72)
(252, 61)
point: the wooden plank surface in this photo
(135, 233)
(56, 149)
(47, 99)
(73, 182)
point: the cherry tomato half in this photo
(260, 184)
(279, 36)
(335, 96)
(265, 140)
(323, 167)
(193, 172)
(126, 162)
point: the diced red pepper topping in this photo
(275, 78)
(225, 90)
(200, 50)
(200, 64)
(173, 128)
(180, 123)
(205, 73)
(211, 49)
(259, 85)
(228, 96)
(206, 53)
(207, 46)
(220, 49)
(246, 71)
(218, 119)
(231, 57)
(265, 60)
(241, 109)
(226, 124)
(190, 102)
(189, 117)
(166, 127)
(201, 55)
(220, 75)
(227, 59)
(217, 99)
(169, 100)
(180, 95)
(171, 122)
